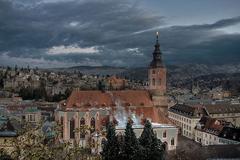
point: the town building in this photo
(212, 131)
(114, 83)
(225, 111)
(186, 117)
(32, 115)
(7, 134)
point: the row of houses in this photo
(208, 124)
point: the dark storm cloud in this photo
(219, 24)
(119, 30)
(30, 30)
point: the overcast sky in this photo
(63, 33)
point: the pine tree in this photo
(111, 146)
(152, 146)
(131, 144)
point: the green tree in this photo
(111, 147)
(4, 155)
(152, 146)
(131, 148)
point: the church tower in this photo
(157, 77)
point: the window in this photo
(61, 121)
(82, 130)
(172, 141)
(153, 81)
(82, 121)
(31, 118)
(153, 71)
(92, 125)
(164, 134)
(72, 127)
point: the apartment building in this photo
(186, 117)
(212, 131)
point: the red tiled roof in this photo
(133, 97)
(148, 112)
(88, 98)
(212, 125)
(98, 98)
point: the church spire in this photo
(157, 55)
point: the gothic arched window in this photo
(82, 121)
(82, 128)
(92, 124)
(164, 134)
(72, 127)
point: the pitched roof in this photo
(98, 98)
(88, 98)
(154, 113)
(187, 110)
(230, 133)
(211, 125)
(219, 128)
(222, 108)
(134, 97)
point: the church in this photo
(85, 113)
